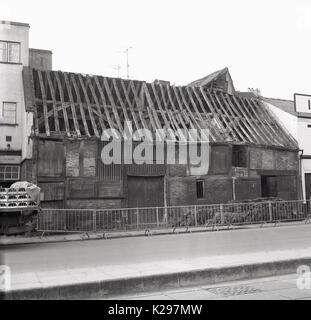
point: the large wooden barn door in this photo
(145, 191)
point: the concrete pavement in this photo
(144, 264)
(268, 288)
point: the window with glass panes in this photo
(9, 173)
(9, 112)
(10, 52)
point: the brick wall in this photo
(81, 158)
(273, 159)
(247, 188)
(89, 153)
(181, 191)
(72, 158)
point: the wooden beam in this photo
(116, 90)
(88, 106)
(61, 94)
(174, 108)
(164, 116)
(244, 119)
(111, 124)
(100, 116)
(75, 86)
(36, 119)
(212, 117)
(173, 121)
(130, 103)
(55, 112)
(157, 123)
(73, 108)
(205, 121)
(237, 123)
(114, 109)
(273, 138)
(225, 116)
(45, 110)
(193, 116)
(261, 130)
(139, 105)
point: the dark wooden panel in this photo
(52, 191)
(109, 188)
(50, 158)
(145, 191)
(220, 159)
(269, 186)
(81, 188)
(308, 185)
(247, 189)
(287, 187)
(218, 190)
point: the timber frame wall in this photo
(72, 110)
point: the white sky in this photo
(266, 44)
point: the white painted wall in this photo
(302, 103)
(12, 90)
(304, 135)
(289, 121)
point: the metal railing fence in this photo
(107, 220)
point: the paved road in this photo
(271, 288)
(95, 253)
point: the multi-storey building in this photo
(15, 121)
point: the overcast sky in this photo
(266, 44)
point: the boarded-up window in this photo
(239, 156)
(220, 160)
(50, 158)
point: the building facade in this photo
(250, 155)
(62, 117)
(295, 115)
(15, 121)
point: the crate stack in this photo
(15, 199)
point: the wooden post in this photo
(195, 216)
(270, 210)
(222, 218)
(157, 213)
(94, 220)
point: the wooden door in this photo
(269, 186)
(308, 185)
(145, 191)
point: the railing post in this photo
(94, 220)
(137, 221)
(157, 213)
(222, 218)
(270, 211)
(195, 216)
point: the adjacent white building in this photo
(296, 118)
(15, 122)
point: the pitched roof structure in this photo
(77, 105)
(218, 79)
(285, 105)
